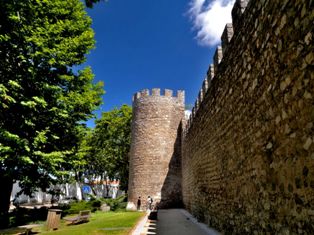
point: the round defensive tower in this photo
(155, 154)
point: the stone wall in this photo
(248, 150)
(155, 161)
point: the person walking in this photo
(149, 202)
(139, 203)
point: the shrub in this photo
(118, 203)
(93, 205)
(76, 207)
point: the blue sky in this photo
(153, 44)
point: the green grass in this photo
(121, 223)
(110, 223)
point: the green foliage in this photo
(94, 204)
(112, 138)
(43, 98)
(90, 3)
(116, 204)
(105, 149)
(76, 207)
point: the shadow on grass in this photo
(77, 223)
(15, 231)
(22, 216)
(11, 231)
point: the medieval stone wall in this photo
(155, 162)
(248, 150)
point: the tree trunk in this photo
(5, 194)
(6, 189)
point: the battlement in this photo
(156, 92)
(243, 160)
(156, 119)
(226, 42)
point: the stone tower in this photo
(155, 155)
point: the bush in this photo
(118, 203)
(93, 205)
(76, 207)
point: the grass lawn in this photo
(111, 223)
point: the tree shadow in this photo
(22, 216)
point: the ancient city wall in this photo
(155, 161)
(248, 150)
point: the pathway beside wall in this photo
(179, 221)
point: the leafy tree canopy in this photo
(106, 148)
(43, 97)
(90, 3)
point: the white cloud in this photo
(209, 18)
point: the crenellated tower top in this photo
(155, 152)
(156, 92)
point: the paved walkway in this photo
(140, 226)
(174, 222)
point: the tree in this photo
(43, 98)
(110, 145)
(82, 164)
(90, 3)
